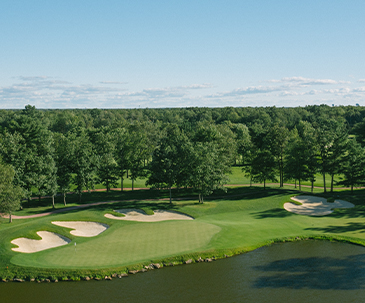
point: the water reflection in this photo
(306, 271)
(315, 273)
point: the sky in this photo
(153, 54)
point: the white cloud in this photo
(48, 92)
(196, 86)
(251, 90)
(308, 81)
(112, 82)
(361, 80)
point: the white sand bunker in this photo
(315, 206)
(83, 229)
(49, 240)
(132, 214)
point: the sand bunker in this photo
(49, 240)
(83, 229)
(315, 206)
(132, 214)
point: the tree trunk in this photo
(281, 170)
(132, 184)
(52, 201)
(352, 188)
(80, 193)
(64, 198)
(332, 182)
(250, 181)
(10, 219)
(324, 182)
(312, 186)
(170, 196)
(300, 186)
(121, 183)
(264, 184)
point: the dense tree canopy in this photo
(52, 150)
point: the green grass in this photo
(125, 244)
(237, 177)
(243, 219)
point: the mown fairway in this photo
(235, 223)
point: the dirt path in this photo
(143, 188)
(56, 211)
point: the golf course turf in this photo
(242, 220)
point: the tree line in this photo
(48, 151)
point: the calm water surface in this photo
(306, 271)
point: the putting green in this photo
(123, 245)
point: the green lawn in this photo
(236, 177)
(244, 219)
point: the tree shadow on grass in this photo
(143, 196)
(314, 273)
(349, 227)
(242, 193)
(357, 212)
(273, 213)
(124, 205)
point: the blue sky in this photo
(131, 54)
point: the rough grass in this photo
(241, 220)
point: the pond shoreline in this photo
(24, 274)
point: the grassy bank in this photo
(226, 224)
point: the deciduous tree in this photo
(10, 195)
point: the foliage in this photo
(263, 166)
(82, 160)
(10, 195)
(106, 165)
(55, 150)
(353, 165)
(170, 160)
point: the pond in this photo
(304, 271)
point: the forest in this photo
(50, 152)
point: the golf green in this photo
(125, 244)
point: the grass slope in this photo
(241, 221)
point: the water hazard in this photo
(305, 271)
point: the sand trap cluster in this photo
(49, 240)
(83, 229)
(315, 206)
(132, 214)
